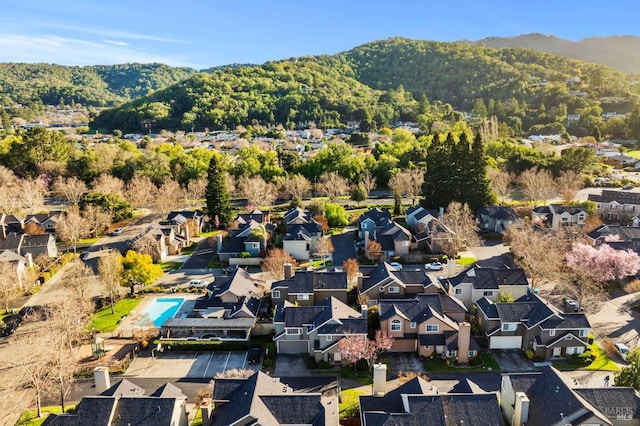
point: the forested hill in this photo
(100, 85)
(383, 81)
(621, 53)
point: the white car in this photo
(197, 284)
(434, 266)
(622, 349)
(395, 265)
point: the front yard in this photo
(600, 361)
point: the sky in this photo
(206, 33)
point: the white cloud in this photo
(74, 51)
(105, 32)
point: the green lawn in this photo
(209, 234)
(635, 153)
(104, 321)
(189, 250)
(466, 261)
(88, 240)
(350, 403)
(600, 360)
(29, 417)
(197, 420)
(168, 266)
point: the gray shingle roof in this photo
(421, 307)
(569, 321)
(123, 388)
(621, 197)
(625, 400)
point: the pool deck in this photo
(130, 323)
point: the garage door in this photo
(293, 347)
(505, 342)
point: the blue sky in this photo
(205, 33)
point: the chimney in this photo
(29, 259)
(364, 310)
(379, 379)
(205, 410)
(521, 409)
(101, 379)
(3, 231)
(288, 271)
(464, 336)
(219, 242)
(440, 212)
(366, 243)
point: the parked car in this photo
(395, 265)
(253, 355)
(627, 187)
(84, 256)
(434, 266)
(197, 284)
(229, 269)
(116, 231)
(622, 349)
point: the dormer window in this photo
(396, 325)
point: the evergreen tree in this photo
(596, 134)
(478, 187)
(218, 200)
(437, 185)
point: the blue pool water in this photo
(160, 310)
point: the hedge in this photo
(203, 345)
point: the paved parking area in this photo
(198, 365)
(400, 362)
(512, 360)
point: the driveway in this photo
(291, 365)
(617, 321)
(202, 255)
(403, 363)
(512, 360)
(344, 248)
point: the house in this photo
(531, 323)
(429, 324)
(394, 239)
(308, 287)
(124, 403)
(372, 221)
(37, 245)
(247, 237)
(266, 400)
(417, 402)
(300, 239)
(418, 219)
(477, 282)
(297, 215)
(495, 219)
(616, 205)
(557, 215)
(384, 281)
(617, 236)
(193, 220)
(45, 221)
(549, 398)
(160, 240)
(228, 312)
(10, 224)
(316, 330)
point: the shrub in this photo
(632, 287)
(203, 345)
(268, 363)
(609, 348)
(46, 276)
(529, 353)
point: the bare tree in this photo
(460, 229)
(9, 195)
(196, 190)
(373, 250)
(351, 268)
(71, 189)
(32, 193)
(500, 182)
(332, 185)
(168, 196)
(369, 182)
(231, 184)
(324, 247)
(275, 261)
(10, 284)
(97, 219)
(77, 279)
(147, 244)
(71, 228)
(110, 273)
(537, 185)
(568, 184)
(408, 183)
(257, 191)
(296, 186)
(140, 191)
(537, 251)
(32, 365)
(107, 184)
(32, 228)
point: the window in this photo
(552, 333)
(394, 289)
(294, 331)
(487, 293)
(584, 332)
(458, 291)
(431, 328)
(472, 354)
(396, 325)
(329, 338)
(405, 244)
(275, 294)
(303, 296)
(412, 325)
(509, 326)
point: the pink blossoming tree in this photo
(355, 347)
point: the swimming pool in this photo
(160, 310)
